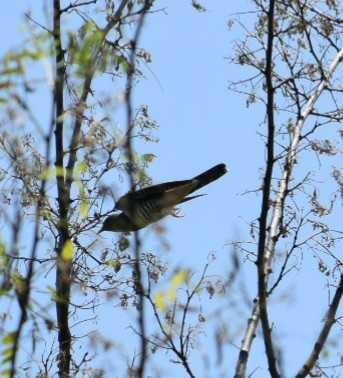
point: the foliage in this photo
(66, 147)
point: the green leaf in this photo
(115, 264)
(57, 298)
(9, 338)
(5, 373)
(7, 355)
(88, 50)
(85, 206)
(2, 249)
(19, 283)
(122, 61)
(68, 251)
(11, 71)
(161, 301)
(5, 291)
(51, 172)
(170, 295)
(180, 278)
(148, 157)
(81, 168)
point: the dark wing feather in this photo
(155, 191)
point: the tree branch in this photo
(324, 333)
(278, 203)
(262, 262)
(139, 286)
(64, 268)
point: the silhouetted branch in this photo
(271, 230)
(330, 320)
(262, 261)
(139, 285)
(25, 290)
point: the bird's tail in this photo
(210, 175)
(192, 197)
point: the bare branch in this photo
(330, 320)
(139, 286)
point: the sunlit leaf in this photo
(68, 251)
(115, 264)
(11, 71)
(160, 301)
(148, 157)
(9, 338)
(55, 296)
(52, 172)
(123, 62)
(19, 283)
(180, 278)
(82, 168)
(5, 373)
(7, 355)
(88, 49)
(84, 208)
(2, 249)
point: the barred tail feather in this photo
(210, 175)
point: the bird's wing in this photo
(193, 184)
(156, 191)
(157, 200)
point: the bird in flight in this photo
(143, 207)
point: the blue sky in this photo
(202, 123)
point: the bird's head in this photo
(118, 223)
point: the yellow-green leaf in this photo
(88, 49)
(180, 278)
(52, 172)
(5, 373)
(148, 157)
(9, 338)
(160, 301)
(55, 296)
(82, 168)
(19, 283)
(2, 248)
(115, 264)
(84, 208)
(122, 61)
(68, 251)
(7, 355)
